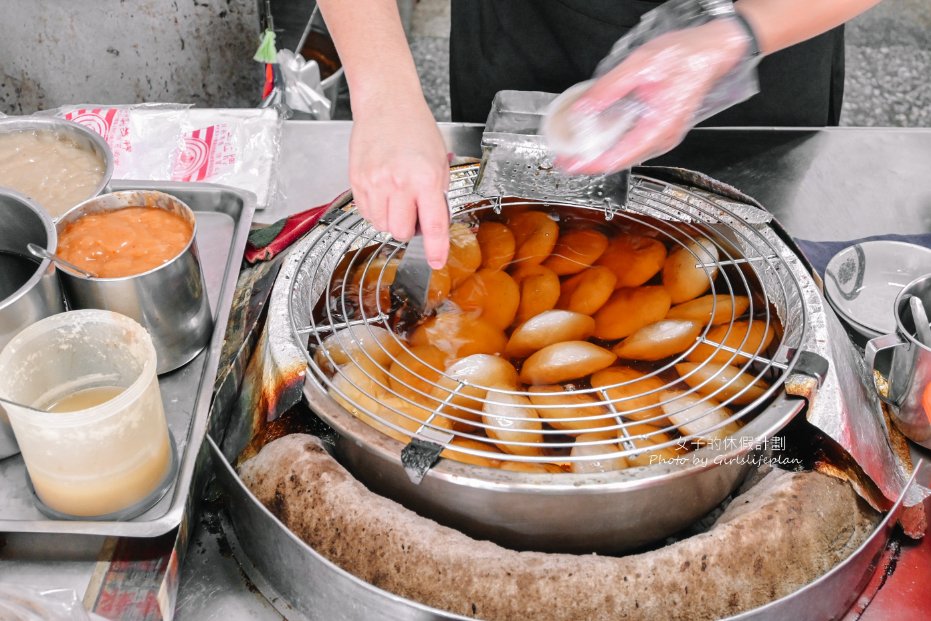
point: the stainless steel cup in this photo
(29, 288)
(169, 301)
(908, 372)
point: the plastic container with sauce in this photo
(95, 440)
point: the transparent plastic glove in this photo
(399, 171)
(681, 65)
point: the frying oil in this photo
(84, 399)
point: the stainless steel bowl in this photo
(82, 136)
(29, 288)
(170, 301)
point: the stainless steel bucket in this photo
(82, 136)
(29, 288)
(170, 301)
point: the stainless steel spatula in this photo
(412, 280)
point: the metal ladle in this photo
(920, 317)
(40, 252)
(5, 401)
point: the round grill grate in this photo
(359, 350)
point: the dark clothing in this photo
(549, 45)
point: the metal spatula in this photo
(412, 280)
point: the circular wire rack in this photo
(430, 406)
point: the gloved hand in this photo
(684, 62)
(669, 77)
(399, 172)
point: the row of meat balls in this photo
(515, 312)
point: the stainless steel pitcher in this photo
(909, 371)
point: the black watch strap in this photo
(755, 51)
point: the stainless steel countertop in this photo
(829, 184)
(315, 162)
(824, 184)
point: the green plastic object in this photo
(267, 53)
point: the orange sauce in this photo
(124, 242)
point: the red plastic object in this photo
(269, 81)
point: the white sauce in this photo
(52, 170)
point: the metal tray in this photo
(224, 216)
(302, 584)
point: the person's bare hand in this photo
(670, 76)
(399, 172)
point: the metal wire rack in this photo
(374, 374)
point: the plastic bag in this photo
(237, 147)
(20, 603)
(142, 137)
(175, 142)
(586, 135)
(154, 142)
(303, 91)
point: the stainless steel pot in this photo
(304, 584)
(80, 135)
(622, 509)
(169, 301)
(29, 288)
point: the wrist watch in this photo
(754, 44)
(710, 9)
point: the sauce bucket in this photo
(170, 301)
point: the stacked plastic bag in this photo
(174, 142)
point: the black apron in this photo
(549, 45)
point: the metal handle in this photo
(920, 319)
(41, 253)
(873, 347)
(307, 29)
